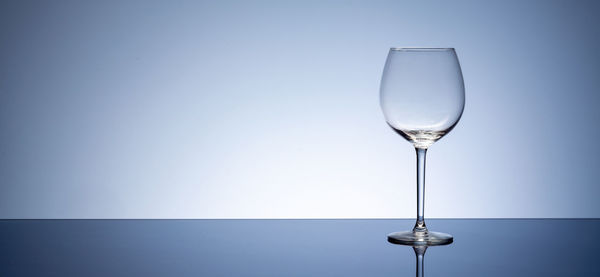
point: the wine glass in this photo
(422, 96)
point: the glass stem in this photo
(420, 268)
(420, 225)
(420, 254)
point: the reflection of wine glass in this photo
(420, 255)
(422, 97)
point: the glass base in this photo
(420, 238)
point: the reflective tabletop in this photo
(341, 247)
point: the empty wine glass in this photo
(422, 97)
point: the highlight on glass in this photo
(422, 96)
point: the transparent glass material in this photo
(422, 97)
(420, 261)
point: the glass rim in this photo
(421, 48)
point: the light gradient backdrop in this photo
(219, 109)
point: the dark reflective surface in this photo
(293, 248)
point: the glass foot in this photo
(420, 238)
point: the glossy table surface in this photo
(341, 247)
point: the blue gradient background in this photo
(219, 109)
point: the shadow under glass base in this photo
(420, 238)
